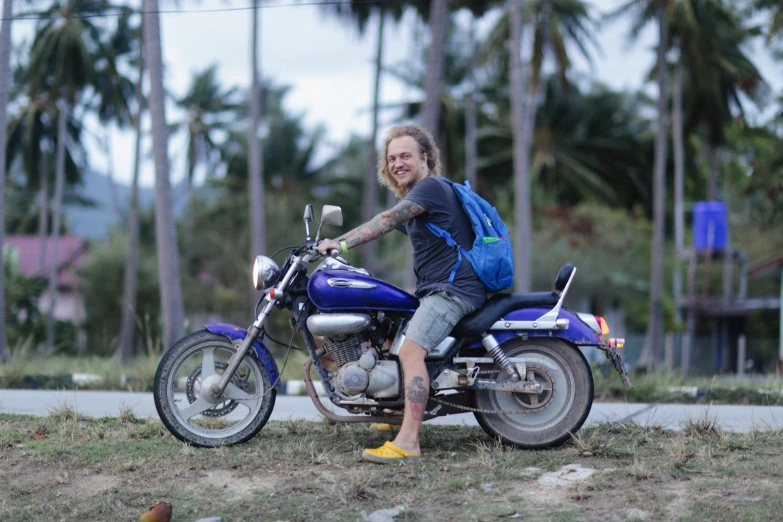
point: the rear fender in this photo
(235, 333)
(578, 332)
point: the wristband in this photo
(344, 245)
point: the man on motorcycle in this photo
(409, 165)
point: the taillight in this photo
(616, 342)
(603, 324)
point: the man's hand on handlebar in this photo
(329, 247)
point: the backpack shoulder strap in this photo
(435, 229)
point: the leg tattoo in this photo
(417, 397)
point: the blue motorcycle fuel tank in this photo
(334, 290)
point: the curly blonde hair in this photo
(426, 146)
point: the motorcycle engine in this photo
(344, 349)
(358, 373)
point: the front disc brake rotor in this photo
(193, 388)
(537, 401)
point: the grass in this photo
(656, 387)
(669, 387)
(116, 468)
(54, 372)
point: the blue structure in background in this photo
(710, 216)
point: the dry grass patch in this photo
(113, 469)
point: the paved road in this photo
(673, 416)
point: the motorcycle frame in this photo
(524, 323)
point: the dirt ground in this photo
(65, 467)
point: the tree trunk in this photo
(166, 234)
(59, 181)
(128, 321)
(43, 212)
(679, 176)
(653, 348)
(370, 200)
(5, 85)
(255, 149)
(522, 215)
(713, 167)
(470, 114)
(105, 143)
(433, 80)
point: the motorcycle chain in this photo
(501, 412)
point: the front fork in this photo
(271, 297)
(236, 359)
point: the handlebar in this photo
(316, 254)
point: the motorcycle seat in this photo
(499, 305)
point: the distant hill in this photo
(94, 222)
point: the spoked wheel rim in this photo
(201, 366)
(542, 411)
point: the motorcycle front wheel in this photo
(182, 398)
(541, 420)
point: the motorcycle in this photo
(515, 363)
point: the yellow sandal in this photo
(389, 453)
(382, 426)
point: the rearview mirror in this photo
(309, 215)
(332, 215)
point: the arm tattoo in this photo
(417, 397)
(383, 223)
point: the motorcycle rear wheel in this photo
(185, 372)
(551, 417)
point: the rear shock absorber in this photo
(492, 346)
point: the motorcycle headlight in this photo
(265, 272)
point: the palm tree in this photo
(433, 80)
(5, 84)
(127, 324)
(437, 16)
(721, 75)
(166, 234)
(125, 341)
(61, 61)
(587, 146)
(775, 9)
(255, 173)
(710, 37)
(112, 92)
(774, 34)
(523, 226)
(288, 158)
(553, 23)
(32, 137)
(209, 109)
(360, 13)
(644, 11)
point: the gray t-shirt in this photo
(433, 259)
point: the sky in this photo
(329, 65)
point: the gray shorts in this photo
(436, 316)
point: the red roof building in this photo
(26, 251)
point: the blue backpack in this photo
(491, 255)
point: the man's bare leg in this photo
(417, 392)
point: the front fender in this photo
(235, 333)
